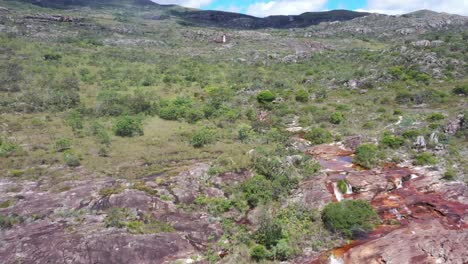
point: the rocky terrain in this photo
(132, 132)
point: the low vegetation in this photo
(352, 218)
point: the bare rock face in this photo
(44, 242)
(428, 242)
(313, 194)
(67, 224)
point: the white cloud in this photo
(284, 7)
(186, 3)
(405, 6)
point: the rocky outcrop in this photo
(67, 223)
(54, 18)
(453, 126)
(425, 220)
(427, 242)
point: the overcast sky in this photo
(263, 8)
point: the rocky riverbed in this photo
(425, 220)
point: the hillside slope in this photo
(132, 133)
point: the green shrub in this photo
(99, 131)
(350, 217)
(259, 252)
(114, 189)
(244, 132)
(319, 136)
(302, 96)
(62, 144)
(267, 164)
(8, 148)
(257, 189)
(7, 203)
(128, 127)
(392, 141)
(282, 250)
(9, 221)
(75, 120)
(336, 118)
(52, 57)
(411, 134)
(425, 158)
(71, 159)
(461, 90)
(369, 125)
(203, 137)
(265, 97)
(342, 186)
(367, 155)
(269, 233)
(449, 175)
(181, 108)
(435, 117)
(117, 217)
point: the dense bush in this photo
(367, 155)
(350, 217)
(181, 108)
(62, 144)
(409, 74)
(302, 96)
(127, 126)
(425, 158)
(461, 89)
(258, 252)
(266, 97)
(411, 134)
(421, 97)
(203, 137)
(435, 117)
(336, 118)
(257, 189)
(52, 57)
(319, 136)
(392, 141)
(71, 159)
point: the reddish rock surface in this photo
(425, 219)
(66, 223)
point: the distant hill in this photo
(240, 21)
(212, 18)
(73, 3)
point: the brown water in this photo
(395, 196)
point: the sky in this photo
(262, 8)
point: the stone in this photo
(420, 143)
(453, 126)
